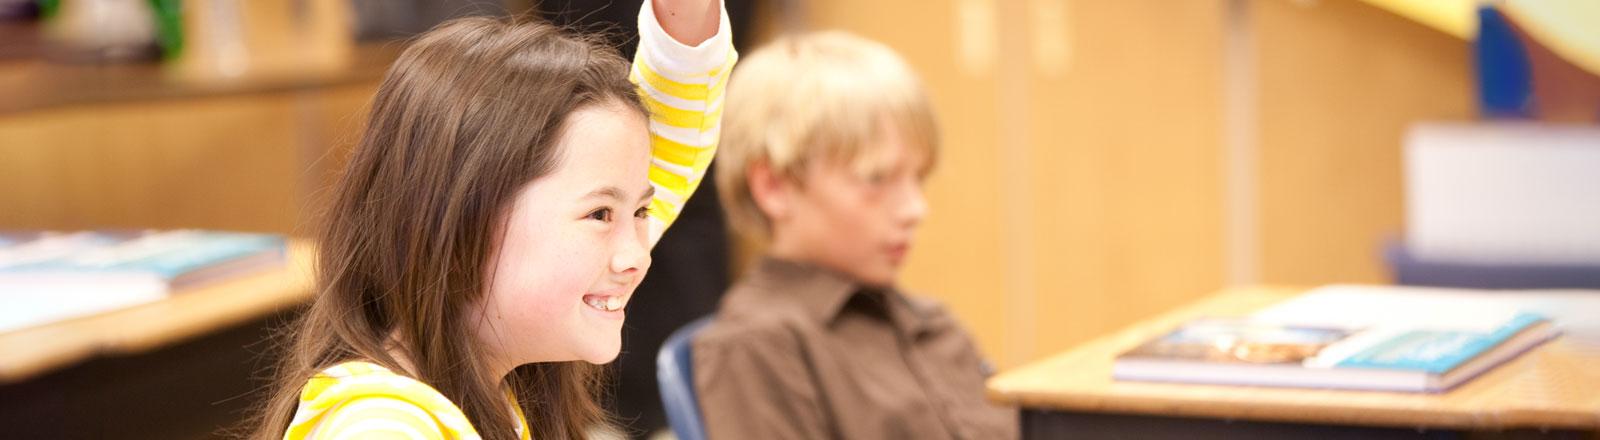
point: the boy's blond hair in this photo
(821, 96)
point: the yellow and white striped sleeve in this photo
(682, 87)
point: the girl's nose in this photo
(632, 256)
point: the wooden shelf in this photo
(33, 83)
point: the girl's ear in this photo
(772, 192)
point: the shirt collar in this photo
(823, 293)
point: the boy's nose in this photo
(914, 206)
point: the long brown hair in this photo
(466, 116)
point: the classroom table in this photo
(180, 367)
(1553, 390)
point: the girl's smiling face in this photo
(574, 247)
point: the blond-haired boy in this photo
(827, 140)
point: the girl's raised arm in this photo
(682, 66)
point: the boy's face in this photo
(574, 247)
(856, 219)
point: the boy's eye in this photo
(602, 214)
(877, 177)
(642, 212)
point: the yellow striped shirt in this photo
(682, 87)
(356, 400)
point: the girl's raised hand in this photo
(690, 22)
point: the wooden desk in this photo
(1554, 387)
(36, 350)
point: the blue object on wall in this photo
(1505, 78)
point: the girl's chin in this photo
(603, 352)
(602, 359)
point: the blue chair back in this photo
(675, 377)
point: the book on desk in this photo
(1373, 338)
(1241, 352)
(51, 276)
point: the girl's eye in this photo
(602, 214)
(642, 212)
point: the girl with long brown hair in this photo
(492, 223)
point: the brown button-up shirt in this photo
(799, 352)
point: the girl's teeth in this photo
(610, 303)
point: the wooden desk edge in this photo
(38, 350)
(1319, 415)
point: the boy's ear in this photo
(770, 190)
